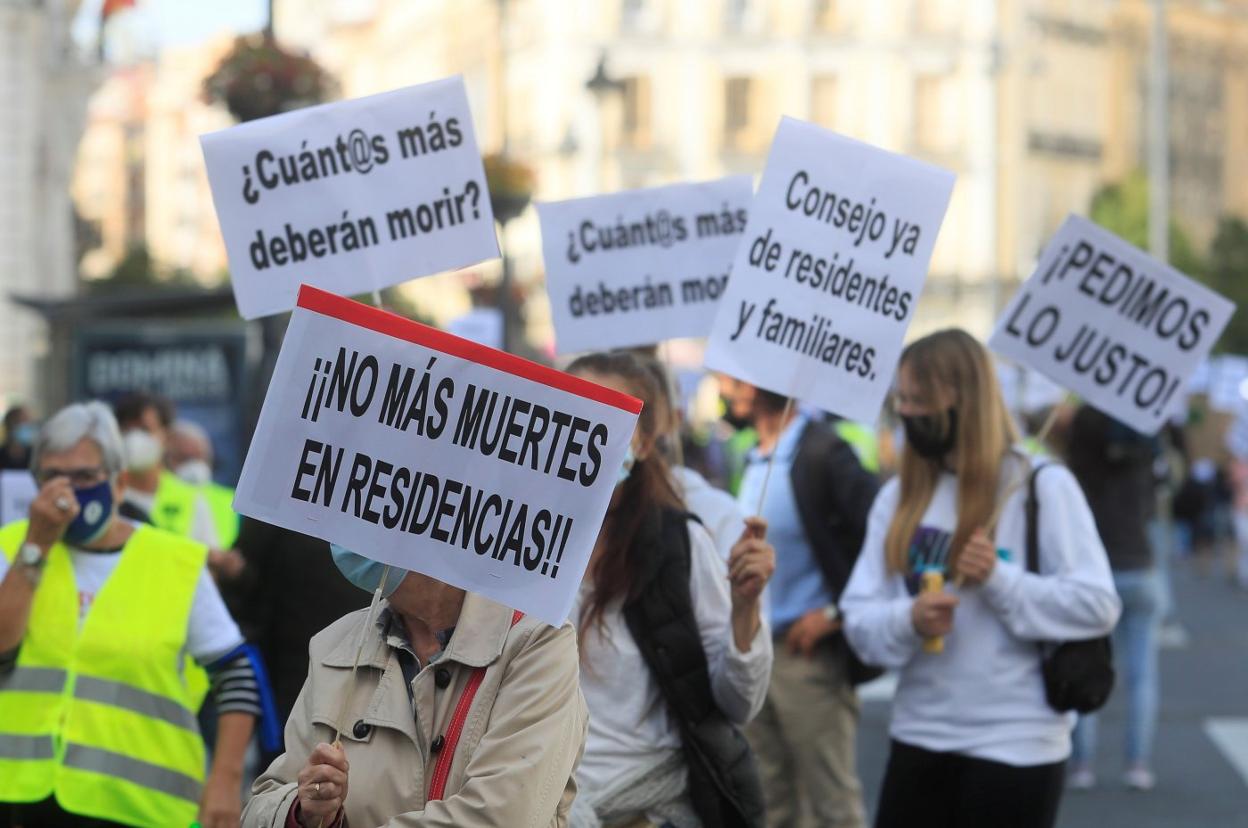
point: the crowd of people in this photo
(155, 648)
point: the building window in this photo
(935, 17)
(826, 18)
(632, 15)
(740, 16)
(935, 127)
(736, 111)
(635, 119)
(823, 101)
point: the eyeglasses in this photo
(78, 478)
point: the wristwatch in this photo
(31, 560)
(831, 612)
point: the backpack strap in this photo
(442, 769)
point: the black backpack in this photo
(1078, 675)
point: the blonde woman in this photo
(974, 743)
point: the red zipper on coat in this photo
(442, 768)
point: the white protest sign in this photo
(641, 266)
(352, 196)
(827, 277)
(17, 492)
(1112, 324)
(432, 453)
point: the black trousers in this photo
(945, 790)
(46, 814)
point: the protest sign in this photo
(429, 452)
(1112, 324)
(642, 266)
(352, 196)
(17, 492)
(829, 271)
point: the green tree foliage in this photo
(137, 271)
(1228, 275)
(1122, 208)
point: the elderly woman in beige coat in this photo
(462, 713)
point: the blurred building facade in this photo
(1033, 103)
(140, 177)
(44, 86)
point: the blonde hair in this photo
(954, 362)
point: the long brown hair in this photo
(954, 361)
(648, 488)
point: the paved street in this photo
(1202, 741)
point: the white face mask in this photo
(142, 450)
(195, 472)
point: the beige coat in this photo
(520, 745)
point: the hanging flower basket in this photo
(511, 184)
(259, 78)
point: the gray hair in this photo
(92, 420)
(193, 431)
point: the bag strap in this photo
(1031, 509)
(442, 769)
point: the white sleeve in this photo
(203, 525)
(1075, 598)
(738, 680)
(875, 604)
(726, 525)
(211, 631)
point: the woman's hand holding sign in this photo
(750, 566)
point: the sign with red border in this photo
(432, 453)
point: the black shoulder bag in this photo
(1078, 675)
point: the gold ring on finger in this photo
(62, 503)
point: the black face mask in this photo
(927, 437)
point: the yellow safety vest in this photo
(863, 440)
(173, 510)
(99, 714)
(174, 506)
(220, 501)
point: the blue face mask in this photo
(364, 572)
(95, 510)
(24, 434)
(626, 468)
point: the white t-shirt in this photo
(211, 631)
(983, 696)
(629, 723)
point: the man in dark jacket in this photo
(816, 503)
(289, 590)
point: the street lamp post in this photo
(602, 86)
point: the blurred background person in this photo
(1115, 467)
(19, 435)
(154, 495)
(189, 455)
(816, 503)
(97, 720)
